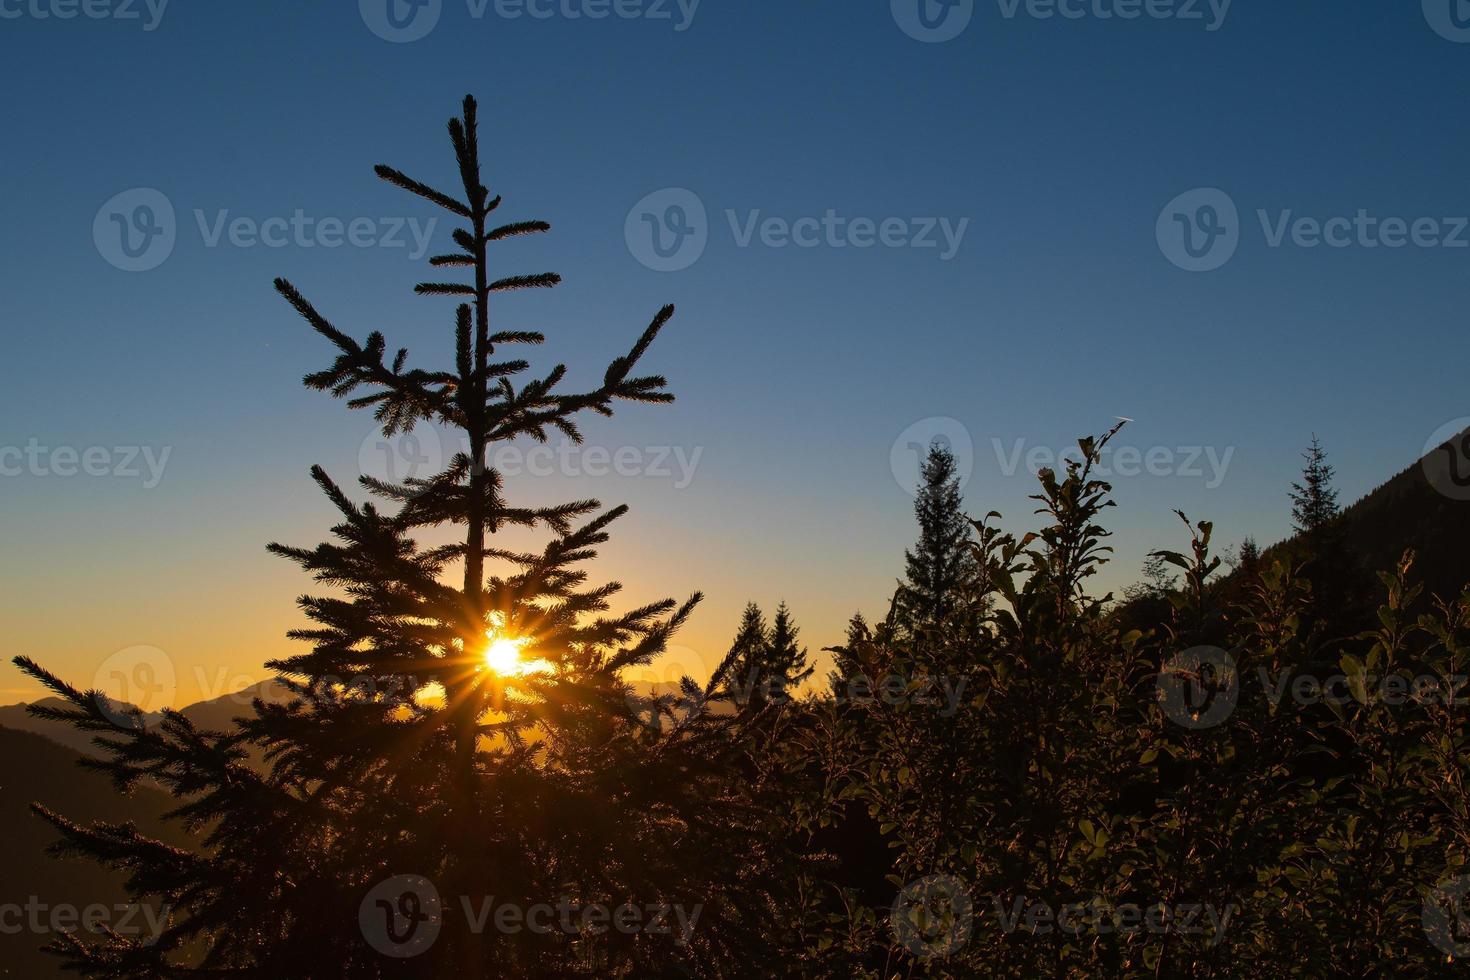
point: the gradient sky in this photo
(1059, 140)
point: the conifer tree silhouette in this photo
(748, 657)
(786, 659)
(401, 753)
(1314, 499)
(767, 664)
(1249, 557)
(847, 658)
(940, 567)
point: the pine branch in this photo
(422, 190)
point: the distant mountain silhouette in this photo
(219, 713)
(216, 714)
(16, 717)
(35, 769)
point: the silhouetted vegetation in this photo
(1252, 774)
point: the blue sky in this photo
(1055, 143)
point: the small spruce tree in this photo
(1314, 499)
(786, 660)
(748, 657)
(940, 569)
(768, 665)
(1249, 558)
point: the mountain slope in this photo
(1425, 508)
(216, 714)
(15, 717)
(36, 886)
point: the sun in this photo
(503, 656)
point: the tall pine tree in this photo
(403, 752)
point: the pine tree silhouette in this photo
(786, 659)
(1314, 499)
(848, 661)
(940, 568)
(1340, 583)
(748, 658)
(401, 752)
(1249, 557)
(767, 664)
